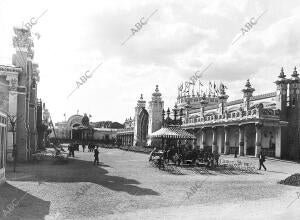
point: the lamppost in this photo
(12, 121)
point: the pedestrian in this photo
(73, 150)
(262, 159)
(96, 156)
(235, 153)
(69, 149)
(83, 147)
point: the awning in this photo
(172, 132)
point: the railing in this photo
(253, 113)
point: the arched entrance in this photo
(142, 129)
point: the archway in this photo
(143, 126)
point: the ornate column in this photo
(278, 142)
(195, 141)
(241, 140)
(214, 142)
(258, 128)
(226, 149)
(203, 138)
(245, 140)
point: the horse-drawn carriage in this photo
(181, 156)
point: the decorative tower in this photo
(281, 94)
(248, 92)
(155, 110)
(23, 43)
(222, 99)
(293, 116)
(141, 122)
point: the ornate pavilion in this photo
(266, 123)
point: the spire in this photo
(295, 73)
(141, 102)
(156, 96)
(248, 88)
(282, 75)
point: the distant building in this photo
(78, 128)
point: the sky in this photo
(180, 38)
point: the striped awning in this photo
(172, 132)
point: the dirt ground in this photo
(126, 186)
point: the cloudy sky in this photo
(180, 38)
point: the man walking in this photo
(262, 159)
(96, 156)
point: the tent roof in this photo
(172, 132)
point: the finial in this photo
(156, 89)
(248, 84)
(168, 112)
(282, 75)
(141, 97)
(295, 73)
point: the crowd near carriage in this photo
(176, 148)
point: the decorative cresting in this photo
(23, 41)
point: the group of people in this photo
(192, 156)
(75, 146)
(186, 155)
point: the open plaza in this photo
(126, 186)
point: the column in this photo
(241, 140)
(258, 128)
(278, 142)
(226, 150)
(202, 138)
(195, 140)
(214, 141)
(245, 140)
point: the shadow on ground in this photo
(18, 204)
(76, 171)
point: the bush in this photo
(293, 180)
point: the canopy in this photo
(172, 132)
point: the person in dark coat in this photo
(262, 159)
(235, 153)
(96, 156)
